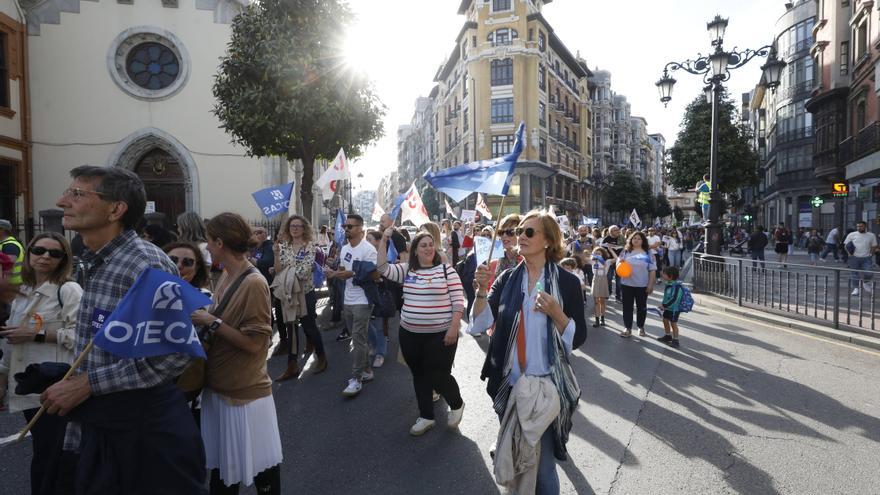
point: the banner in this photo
(339, 231)
(590, 221)
(468, 215)
(482, 207)
(274, 200)
(377, 212)
(338, 170)
(482, 247)
(564, 225)
(634, 218)
(449, 210)
(413, 209)
(153, 319)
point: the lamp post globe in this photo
(716, 28)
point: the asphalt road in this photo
(740, 408)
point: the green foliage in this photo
(689, 158)
(431, 201)
(662, 207)
(283, 90)
(677, 213)
(649, 206)
(623, 192)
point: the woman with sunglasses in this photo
(507, 234)
(538, 313)
(295, 252)
(190, 264)
(639, 284)
(42, 328)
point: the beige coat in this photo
(287, 287)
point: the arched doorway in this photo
(164, 182)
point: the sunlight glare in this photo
(357, 48)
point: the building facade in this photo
(16, 188)
(128, 84)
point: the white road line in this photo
(11, 438)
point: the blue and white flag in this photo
(634, 219)
(274, 200)
(486, 176)
(392, 252)
(340, 230)
(153, 318)
(482, 246)
(395, 210)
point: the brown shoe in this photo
(320, 364)
(292, 371)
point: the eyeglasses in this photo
(76, 193)
(508, 232)
(528, 231)
(187, 262)
(486, 234)
(350, 226)
(55, 253)
(296, 226)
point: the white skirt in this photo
(240, 441)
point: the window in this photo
(467, 152)
(542, 114)
(542, 42)
(861, 38)
(542, 77)
(502, 110)
(500, 5)
(860, 115)
(502, 72)
(503, 36)
(149, 64)
(531, 34)
(464, 120)
(501, 145)
(542, 150)
(844, 58)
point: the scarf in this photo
(560, 370)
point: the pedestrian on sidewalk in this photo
(614, 241)
(861, 246)
(639, 284)
(430, 321)
(356, 309)
(831, 242)
(670, 306)
(602, 260)
(673, 247)
(757, 244)
(782, 237)
(814, 246)
(534, 333)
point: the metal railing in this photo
(811, 293)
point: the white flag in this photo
(449, 210)
(634, 218)
(482, 207)
(338, 170)
(564, 225)
(413, 209)
(377, 212)
(552, 211)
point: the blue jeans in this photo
(829, 248)
(757, 255)
(705, 211)
(548, 479)
(377, 337)
(860, 263)
(675, 257)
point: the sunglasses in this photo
(349, 226)
(40, 250)
(528, 231)
(187, 262)
(507, 232)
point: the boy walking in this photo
(670, 306)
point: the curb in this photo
(830, 333)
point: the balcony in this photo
(845, 151)
(867, 141)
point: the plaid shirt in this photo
(107, 276)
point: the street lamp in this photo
(350, 186)
(715, 69)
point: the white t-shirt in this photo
(864, 242)
(364, 251)
(654, 239)
(832, 236)
(672, 243)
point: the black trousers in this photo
(52, 470)
(431, 365)
(640, 296)
(614, 280)
(310, 329)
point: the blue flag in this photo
(485, 176)
(153, 318)
(274, 200)
(397, 204)
(340, 230)
(392, 252)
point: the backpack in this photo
(687, 300)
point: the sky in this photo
(402, 43)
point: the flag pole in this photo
(73, 367)
(495, 232)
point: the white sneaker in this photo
(378, 361)
(367, 376)
(353, 388)
(422, 425)
(454, 417)
(855, 292)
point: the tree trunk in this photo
(305, 189)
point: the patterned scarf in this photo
(560, 369)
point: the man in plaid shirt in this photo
(122, 402)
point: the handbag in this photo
(387, 305)
(192, 380)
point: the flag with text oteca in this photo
(153, 319)
(486, 176)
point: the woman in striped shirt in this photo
(430, 320)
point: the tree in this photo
(623, 192)
(283, 89)
(663, 208)
(430, 200)
(678, 214)
(648, 206)
(689, 158)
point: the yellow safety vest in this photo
(705, 196)
(15, 279)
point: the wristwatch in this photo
(214, 325)
(40, 338)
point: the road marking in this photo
(794, 332)
(11, 438)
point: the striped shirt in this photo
(429, 296)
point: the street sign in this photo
(817, 201)
(840, 189)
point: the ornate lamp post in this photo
(350, 186)
(715, 69)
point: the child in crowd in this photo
(670, 306)
(602, 261)
(571, 266)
